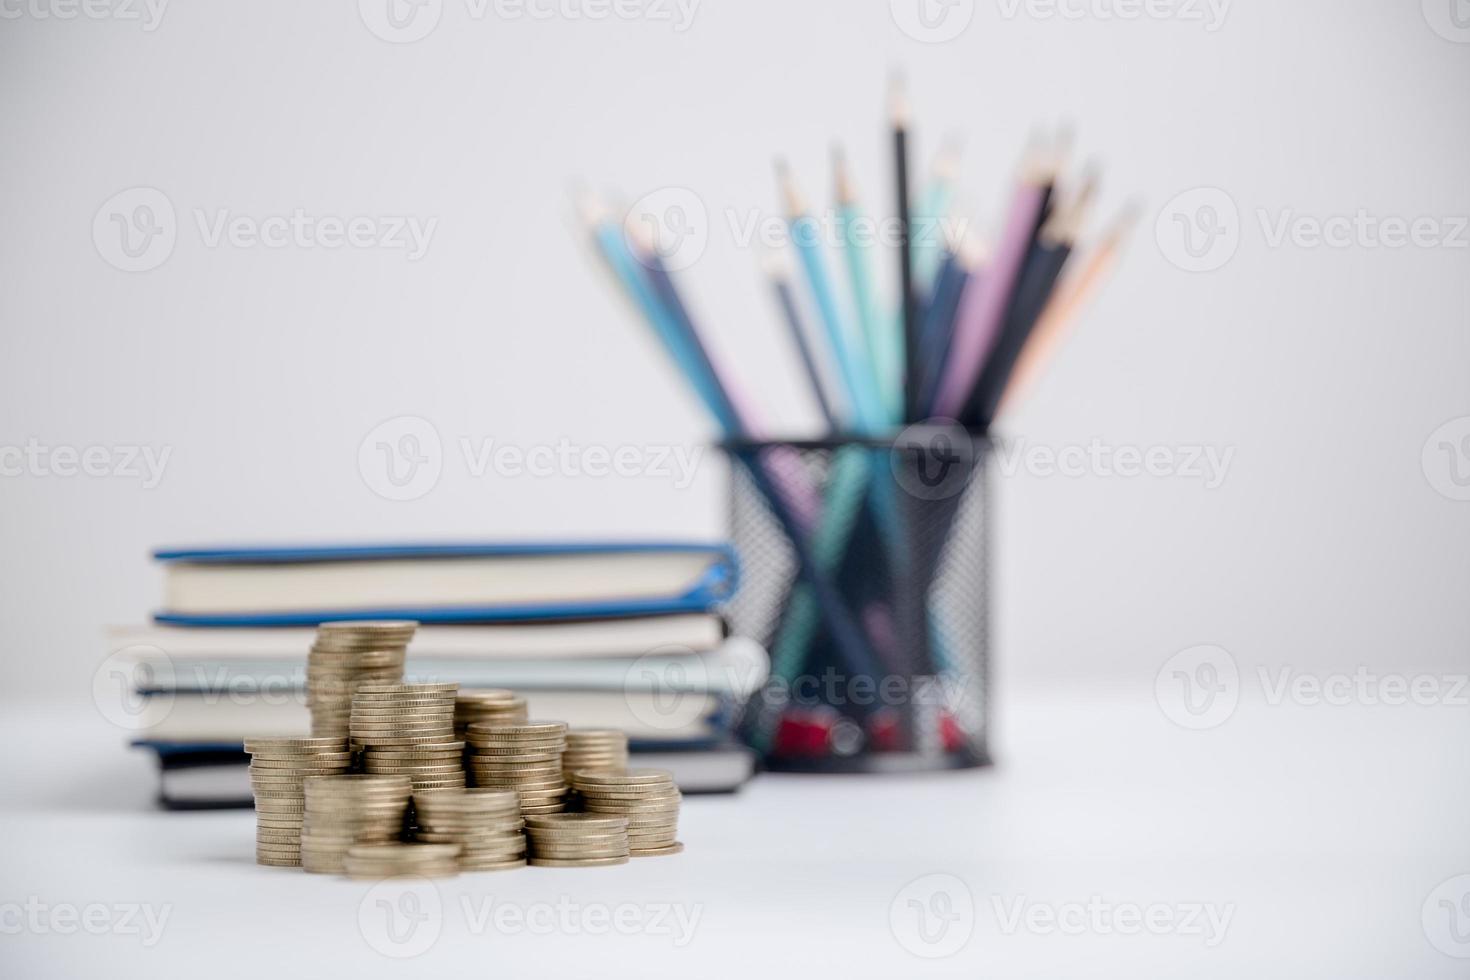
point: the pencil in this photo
(1062, 309)
(780, 278)
(909, 299)
(956, 274)
(984, 304)
(931, 239)
(857, 376)
(1054, 247)
(884, 351)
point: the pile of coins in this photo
(577, 840)
(485, 824)
(343, 811)
(488, 706)
(346, 655)
(594, 748)
(278, 770)
(525, 758)
(408, 729)
(648, 799)
(390, 860)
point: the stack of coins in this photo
(342, 811)
(488, 706)
(390, 860)
(594, 748)
(345, 655)
(408, 729)
(525, 758)
(647, 797)
(577, 840)
(278, 768)
(486, 824)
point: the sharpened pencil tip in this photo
(842, 177)
(898, 100)
(789, 193)
(775, 266)
(947, 163)
(591, 210)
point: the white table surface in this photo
(1321, 832)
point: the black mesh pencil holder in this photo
(864, 573)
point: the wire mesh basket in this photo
(864, 570)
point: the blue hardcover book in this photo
(441, 583)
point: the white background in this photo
(1329, 546)
(1325, 369)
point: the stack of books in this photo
(596, 635)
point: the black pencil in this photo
(1039, 279)
(910, 301)
(781, 282)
